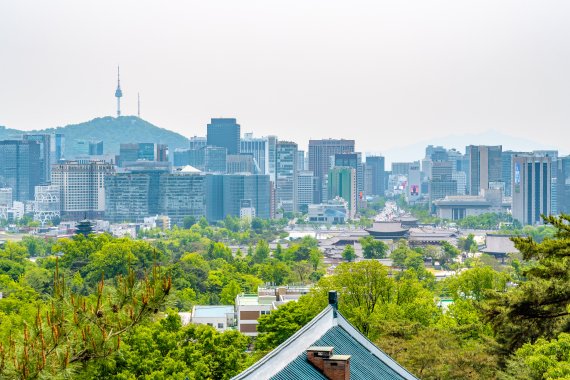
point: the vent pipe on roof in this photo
(333, 300)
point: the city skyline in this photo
(365, 72)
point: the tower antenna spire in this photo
(118, 92)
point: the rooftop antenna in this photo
(118, 92)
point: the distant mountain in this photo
(416, 151)
(112, 131)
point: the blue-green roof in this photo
(329, 328)
(363, 364)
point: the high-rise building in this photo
(272, 151)
(401, 168)
(129, 153)
(258, 147)
(301, 160)
(225, 194)
(82, 188)
(197, 142)
(286, 176)
(531, 181)
(57, 147)
(485, 166)
(507, 169)
(215, 159)
(413, 188)
(47, 205)
(224, 133)
(320, 153)
(342, 184)
(563, 184)
(353, 160)
(441, 183)
(96, 148)
(553, 154)
(127, 197)
(20, 167)
(305, 190)
(377, 175)
(44, 141)
(183, 194)
(241, 163)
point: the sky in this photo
(385, 73)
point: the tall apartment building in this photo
(224, 133)
(320, 153)
(485, 166)
(20, 167)
(286, 176)
(531, 179)
(82, 187)
(342, 183)
(375, 165)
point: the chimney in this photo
(333, 367)
(317, 354)
(337, 367)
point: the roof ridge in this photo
(243, 375)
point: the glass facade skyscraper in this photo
(224, 133)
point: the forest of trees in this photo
(104, 307)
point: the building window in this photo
(220, 325)
(265, 312)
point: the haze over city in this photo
(387, 74)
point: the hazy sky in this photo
(386, 73)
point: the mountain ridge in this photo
(113, 131)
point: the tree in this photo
(539, 306)
(73, 330)
(476, 283)
(372, 248)
(276, 327)
(348, 253)
(261, 252)
(544, 359)
(188, 221)
(230, 292)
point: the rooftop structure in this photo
(388, 231)
(328, 347)
(221, 317)
(499, 245)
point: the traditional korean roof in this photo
(329, 328)
(499, 244)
